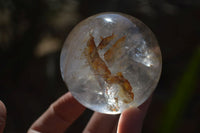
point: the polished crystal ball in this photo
(110, 62)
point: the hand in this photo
(63, 112)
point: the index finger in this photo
(59, 116)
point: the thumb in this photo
(2, 116)
(131, 120)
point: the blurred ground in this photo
(32, 34)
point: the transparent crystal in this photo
(110, 62)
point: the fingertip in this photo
(32, 131)
(131, 119)
(3, 109)
(59, 116)
(2, 116)
(67, 103)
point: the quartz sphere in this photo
(110, 62)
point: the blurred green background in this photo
(32, 33)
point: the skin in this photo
(64, 111)
(2, 116)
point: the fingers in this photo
(102, 123)
(2, 116)
(59, 116)
(131, 120)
